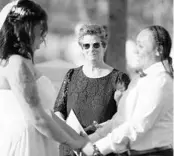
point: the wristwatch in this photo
(96, 151)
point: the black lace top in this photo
(90, 98)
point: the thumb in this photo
(117, 95)
(83, 134)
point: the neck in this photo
(94, 64)
(151, 62)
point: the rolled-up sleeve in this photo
(151, 99)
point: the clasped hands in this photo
(87, 146)
(92, 128)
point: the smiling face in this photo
(147, 51)
(92, 48)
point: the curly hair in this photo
(163, 39)
(96, 30)
(17, 33)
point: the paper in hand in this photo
(73, 122)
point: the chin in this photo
(134, 66)
(92, 59)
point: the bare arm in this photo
(23, 85)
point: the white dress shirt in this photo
(145, 115)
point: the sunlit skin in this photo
(38, 39)
(147, 52)
(92, 54)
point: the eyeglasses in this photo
(88, 45)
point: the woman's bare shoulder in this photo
(18, 66)
(10, 65)
(15, 61)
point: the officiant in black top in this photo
(89, 89)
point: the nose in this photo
(136, 51)
(91, 47)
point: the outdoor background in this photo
(124, 19)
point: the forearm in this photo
(102, 131)
(105, 129)
(94, 137)
(57, 130)
(66, 128)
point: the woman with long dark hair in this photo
(28, 126)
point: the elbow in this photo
(39, 122)
(40, 118)
(44, 128)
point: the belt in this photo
(153, 150)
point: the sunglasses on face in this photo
(88, 45)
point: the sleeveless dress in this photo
(17, 136)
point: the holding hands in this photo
(89, 149)
(92, 128)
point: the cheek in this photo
(142, 52)
(102, 52)
(38, 41)
(88, 51)
(84, 51)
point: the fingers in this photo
(96, 125)
(118, 95)
(83, 134)
(92, 128)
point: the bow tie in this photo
(141, 73)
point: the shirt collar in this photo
(155, 68)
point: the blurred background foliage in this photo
(66, 15)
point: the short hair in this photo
(17, 33)
(96, 30)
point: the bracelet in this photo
(96, 151)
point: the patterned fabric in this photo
(90, 98)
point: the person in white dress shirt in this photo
(143, 125)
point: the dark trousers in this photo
(167, 152)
